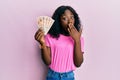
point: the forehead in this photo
(67, 12)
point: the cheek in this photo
(64, 23)
(73, 21)
(64, 26)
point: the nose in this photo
(69, 21)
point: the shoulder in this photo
(49, 38)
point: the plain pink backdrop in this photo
(19, 53)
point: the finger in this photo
(41, 29)
(41, 33)
(72, 30)
(69, 25)
(40, 37)
(68, 30)
(75, 28)
(35, 36)
(38, 32)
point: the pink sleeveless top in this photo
(62, 52)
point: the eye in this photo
(65, 19)
(72, 17)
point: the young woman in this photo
(62, 47)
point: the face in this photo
(67, 18)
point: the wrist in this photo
(77, 40)
(43, 45)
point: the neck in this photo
(65, 33)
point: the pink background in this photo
(19, 53)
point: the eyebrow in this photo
(65, 15)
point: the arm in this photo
(78, 54)
(46, 54)
(39, 36)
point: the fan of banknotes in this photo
(45, 23)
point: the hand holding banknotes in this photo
(44, 24)
(39, 36)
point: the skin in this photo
(67, 22)
(39, 36)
